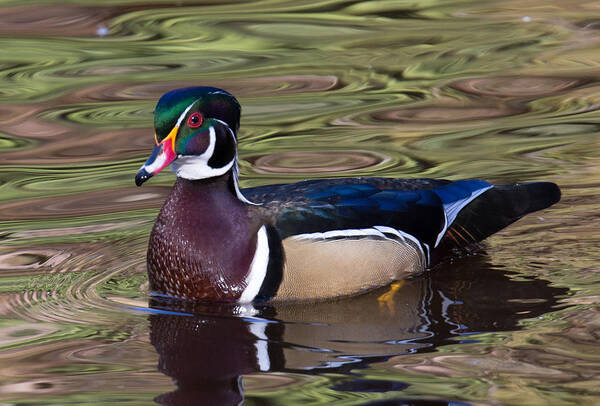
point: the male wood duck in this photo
(311, 240)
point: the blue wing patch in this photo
(460, 189)
(363, 205)
(346, 191)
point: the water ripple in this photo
(520, 86)
(81, 204)
(309, 162)
(329, 89)
(60, 20)
(447, 114)
(71, 292)
(104, 115)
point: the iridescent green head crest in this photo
(196, 131)
(212, 103)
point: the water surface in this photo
(461, 89)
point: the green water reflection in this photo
(504, 91)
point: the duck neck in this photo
(205, 232)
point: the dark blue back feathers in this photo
(427, 209)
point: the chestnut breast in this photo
(202, 243)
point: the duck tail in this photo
(493, 210)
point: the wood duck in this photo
(311, 240)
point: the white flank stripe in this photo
(182, 116)
(377, 231)
(452, 209)
(262, 350)
(359, 232)
(258, 267)
(402, 235)
(428, 251)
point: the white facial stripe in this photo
(258, 267)
(226, 125)
(182, 116)
(376, 231)
(236, 185)
(236, 170)
(212, 140)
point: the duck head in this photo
(195, 133)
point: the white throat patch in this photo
(194, 167)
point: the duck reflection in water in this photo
(207, 349)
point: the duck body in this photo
(310, 240)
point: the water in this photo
(463, 89)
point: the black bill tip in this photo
(142, 176)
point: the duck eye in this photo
(195, 120)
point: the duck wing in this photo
(437, 213)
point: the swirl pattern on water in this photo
(329, 89)
(519, 87)
(70, 286)
(317, 162)
(53, 20)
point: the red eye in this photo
(195, 120)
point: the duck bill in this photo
(162, 155)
